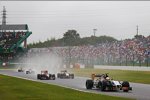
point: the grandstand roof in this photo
(14, 27)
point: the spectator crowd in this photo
(129, 51)
(7, 40)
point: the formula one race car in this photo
(20, 69)
(45, 76)
(104, 83)
(30, 71)
(65, 75)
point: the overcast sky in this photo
(47, 19)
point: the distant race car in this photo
(65, 75)
(30, 71)
(104, 83)
(45, 76)
(20, 69)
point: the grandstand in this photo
(11, 39)
(128, 52)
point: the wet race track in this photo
(140, 91)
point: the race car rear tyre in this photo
(103, 85)
(89, 84)
(99, 84)
(62, 76)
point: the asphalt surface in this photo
(139, 92)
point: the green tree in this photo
(71, 37)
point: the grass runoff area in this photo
(121, 75)
(12, 88)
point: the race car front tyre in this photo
(52, 76)
(38, 76)
(125, 86)
(72, 76)
(89, 84)
(58, 75)
(27, 72)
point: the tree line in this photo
(72, 38)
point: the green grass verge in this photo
(132, 76)
(19, 89)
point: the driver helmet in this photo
(107, 78)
